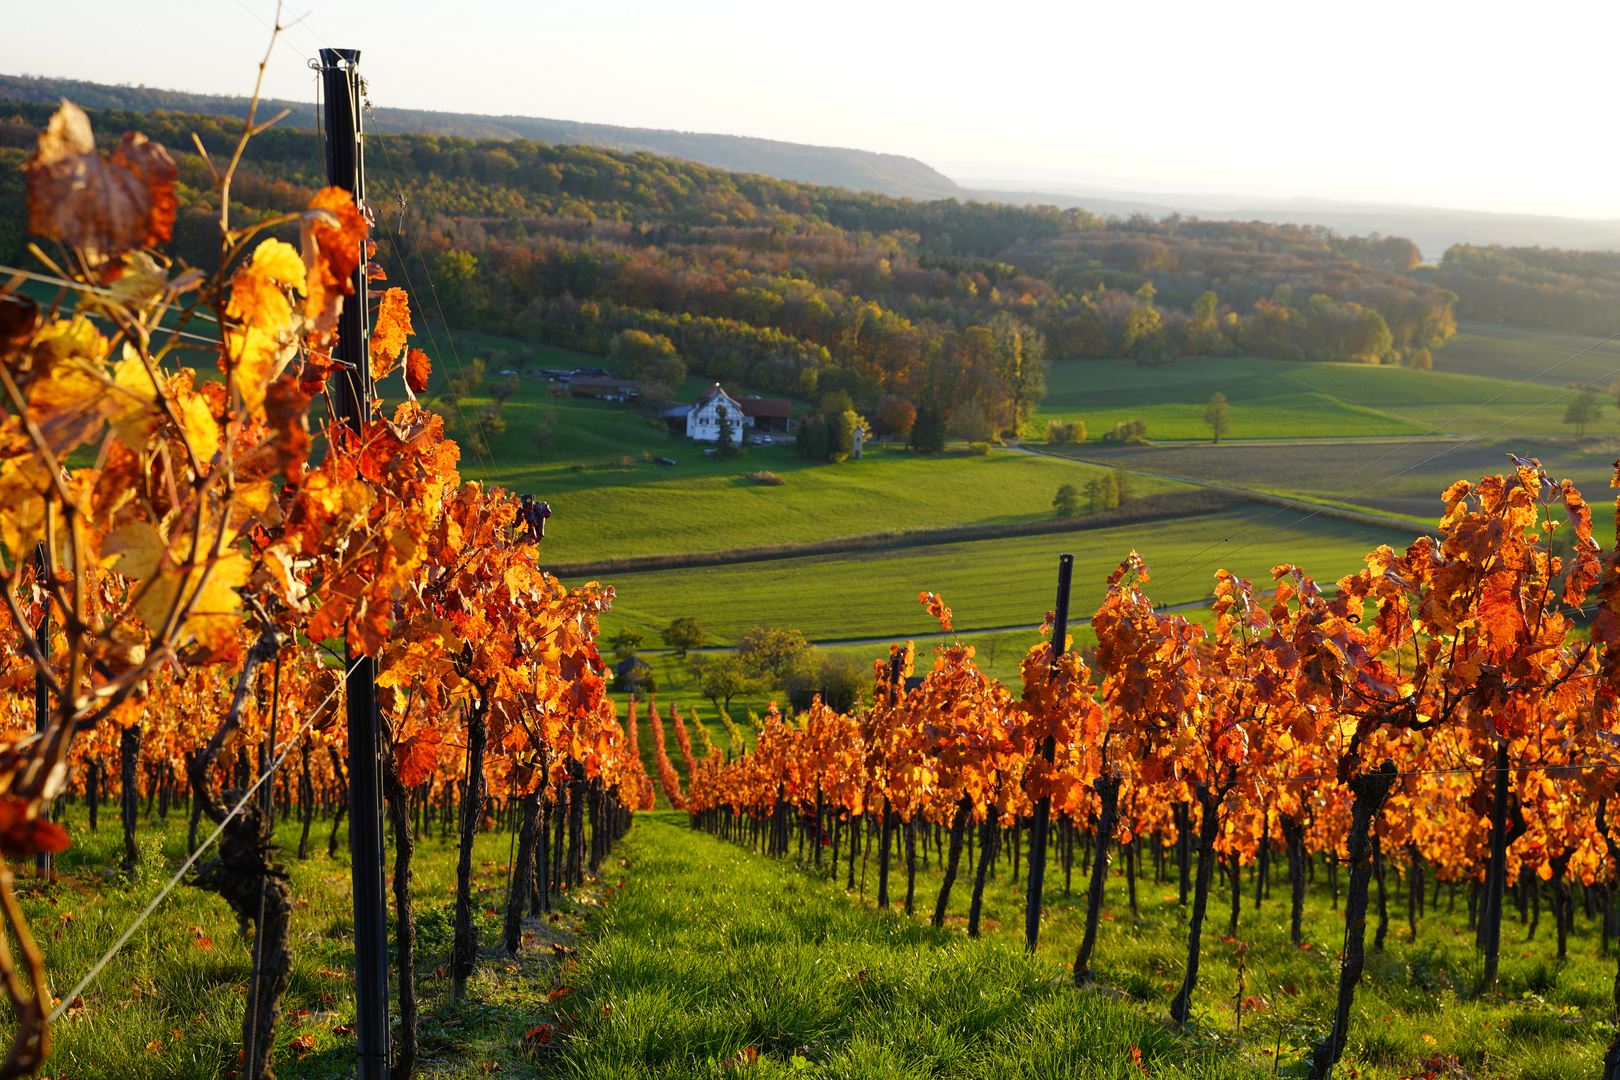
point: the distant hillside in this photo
(1575, 291)
(1433, 229)
(858, 170)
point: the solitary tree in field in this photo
(684, 633)
(771, 652)
(1067, 501)
(1123, 489)
(1219, 417)
(1584, 408)
(724, 678)
(1102, 492)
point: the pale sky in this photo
(1469, 105)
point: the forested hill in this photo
(1572, 291)
(800, 288)
(859, 170)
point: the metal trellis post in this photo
(1043, 808)
(351, 396)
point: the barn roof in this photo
(754, 405)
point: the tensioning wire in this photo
(212, 342)
(1415, 772)
(175, 880)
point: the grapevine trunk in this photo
(1370, 791)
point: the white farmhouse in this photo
(753, 418)
(703, 422)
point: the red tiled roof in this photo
(758, 406)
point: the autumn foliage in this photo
(203, 541)
(1442, 701)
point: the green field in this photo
(169, 1005)
(1387, 477)
(1516, 353)
(611, 499)
(1275, 399)
(988, 583)
(712, 951)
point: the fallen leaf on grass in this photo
(537, 1036)
(561, 991)
(744, 1057)
(304, 1043)
(561, 950)
(343, 1029)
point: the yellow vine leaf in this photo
(202, 432)
(205, 590)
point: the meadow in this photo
(990, 584)
(169, 1004)
(713, 955)
(610, 497)
(1395, 477)
(1498, 351)
(1281, 399)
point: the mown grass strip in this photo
(711, 956)
(1149, 508)
(712, 951)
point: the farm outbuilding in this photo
(605, 388)
(701, 420)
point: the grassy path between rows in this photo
(711, 955)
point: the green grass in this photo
(1516, 352)
(611, 500)
(636, 507)
(988, 583)
(712, 949)
(1272, 399)
(166, 1007)
(711, 953)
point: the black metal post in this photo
(1043, 808)
(42, 688)
(351, 396)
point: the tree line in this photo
(1573, 291)
(805, 290)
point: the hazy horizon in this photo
(1267, 101)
